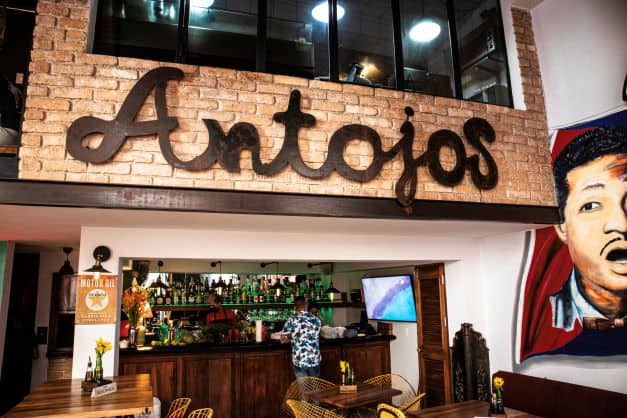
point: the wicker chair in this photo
(405, 399)
(201, 413)
(300, 386)
(302, 409)
(413, 404)
(178, 408)
(388, 411)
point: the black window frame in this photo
(261, 44)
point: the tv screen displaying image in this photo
(390, 298)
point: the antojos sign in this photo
(227, 148)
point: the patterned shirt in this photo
(304, 330)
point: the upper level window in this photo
(451, 48)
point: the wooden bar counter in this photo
(246, 380)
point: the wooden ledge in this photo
(108, 196)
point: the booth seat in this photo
(553, 399)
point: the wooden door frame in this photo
(446, 353)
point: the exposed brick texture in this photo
(67, 83)
(59, 368)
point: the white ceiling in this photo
(57, 226)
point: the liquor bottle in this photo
(175, 297)
(183, 297)
(152, 300)
(200, 297)
(160, 297)
(262, 289)
(191, 298)
(168, 297)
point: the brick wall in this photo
(59, 368)
(67, 83)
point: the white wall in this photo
(583, 57)
(50, 261)
(241, 245)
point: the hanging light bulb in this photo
(321, 12)
(424, 31)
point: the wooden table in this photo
(66, 398)
(468, 409)
(365, 395)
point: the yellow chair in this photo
(408, 396)
(178, 408)
(201, 413)
(302, 385)
(302, 409)
(388, 411)
(412, 404)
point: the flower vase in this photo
(499, 406)
(98, 370)
(132, 338)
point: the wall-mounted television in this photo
(390, 298)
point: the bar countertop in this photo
(265, 345)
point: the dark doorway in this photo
(17, 20)
(20, 337)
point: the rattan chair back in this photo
(201, 413)
(300, 386)
(395, 381)
(412, 404)
(388, 411)
(178, 408)
(303, 409)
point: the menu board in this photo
(96, 299)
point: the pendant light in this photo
(158, 284)
(220, 286)
(332, 291)
(67, 269)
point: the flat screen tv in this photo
(390, 298)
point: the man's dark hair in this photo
(300, 302)
(585, 148)
(312, 305)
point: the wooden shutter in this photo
(433, 349)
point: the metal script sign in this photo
(226, 148)
(96, 299)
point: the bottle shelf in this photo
(205, 307)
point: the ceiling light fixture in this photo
(321, 12)
(205, 4)
(424, 31)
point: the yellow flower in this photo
(102, 346)
(498, 382)
(343, 366)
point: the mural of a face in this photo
(595, 225)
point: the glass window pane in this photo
(366, 42)
(137, 28)
(223, 33)
(297, 44)
(427, 59)
(482, 55)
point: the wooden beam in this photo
(108, 196)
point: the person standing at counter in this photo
(303, 331)
(218, 313)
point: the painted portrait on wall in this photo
(573, 296)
